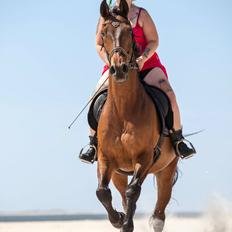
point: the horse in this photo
(129, 129)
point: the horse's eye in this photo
(103, 34)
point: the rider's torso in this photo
(141, 44)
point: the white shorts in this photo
(103, 81)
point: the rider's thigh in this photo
(155, 77)
(103, 81)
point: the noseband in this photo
(131, 64)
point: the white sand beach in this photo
(173, 224)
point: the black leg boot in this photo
(180, 145)
(90, 155)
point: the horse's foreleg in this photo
(120, 182)
(104, 194)
(164, 184)
(132, 194)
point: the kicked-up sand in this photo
(173, 224)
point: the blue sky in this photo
(48, 69)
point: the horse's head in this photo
(118, 40)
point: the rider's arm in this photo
(100, 49)
(151, 35)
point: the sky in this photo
(48, 70)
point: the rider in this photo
(150, 70)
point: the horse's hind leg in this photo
(120, 182)
(104, 194)
(165, 180)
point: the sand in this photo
(173, 224)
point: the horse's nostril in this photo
(124, 68)
(112, 70)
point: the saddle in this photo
(159, 98)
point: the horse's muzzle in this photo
(119, 72)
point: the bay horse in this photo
(129, 129)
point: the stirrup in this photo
(94, 158)
(183, 140)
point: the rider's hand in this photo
(140, 61)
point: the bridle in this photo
(131, 64)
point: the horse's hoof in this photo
(157, 224)
(127, 229)
(120, 221)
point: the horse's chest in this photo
(126, 142)
(125, 136)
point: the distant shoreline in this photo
(75, 217)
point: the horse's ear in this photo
(104, 9)
(124, 8)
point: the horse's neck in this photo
(128, 96)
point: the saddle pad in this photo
(159, 98)
(162, 104)
(95, 109)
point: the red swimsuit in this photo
(141, 44)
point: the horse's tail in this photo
(176, 176)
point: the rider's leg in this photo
(102, 83)
(156, 77)
(91, 154)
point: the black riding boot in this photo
(179, 143)
(91, 154)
